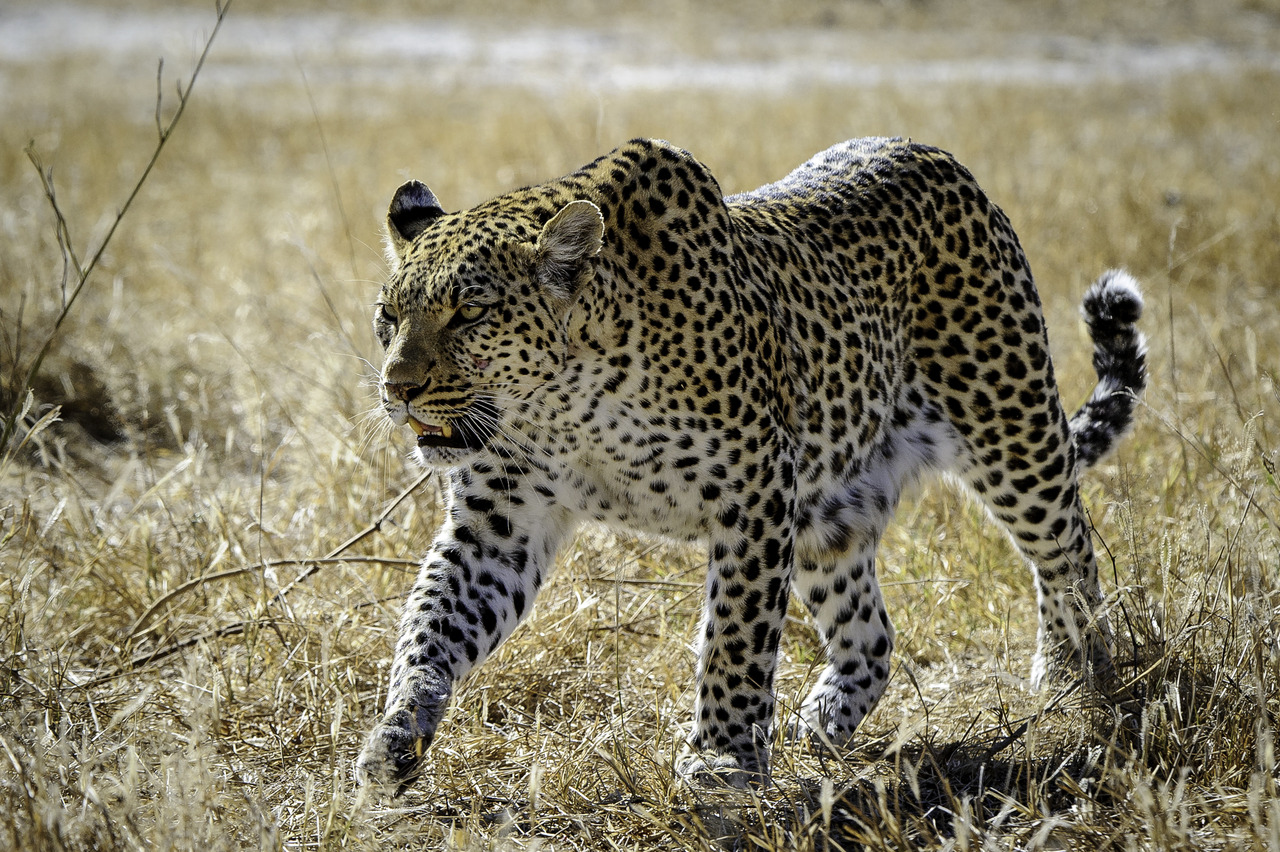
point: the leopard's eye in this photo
(470, 312)
(385, 324)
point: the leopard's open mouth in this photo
(468, 432)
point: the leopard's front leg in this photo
(746, 605)
(476, 584)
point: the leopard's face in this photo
(473, 328)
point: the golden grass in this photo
(226, 343)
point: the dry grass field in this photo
(164, 682)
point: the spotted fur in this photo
(763, 373)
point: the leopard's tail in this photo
(1111, 309)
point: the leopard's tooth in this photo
(417, 426)
(446, 431)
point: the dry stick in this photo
(70, 259)
(205, 579)
(313, 565)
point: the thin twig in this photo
(84, 272)
(159, 97)
(306, 574)
(313, 565)
(204, 580)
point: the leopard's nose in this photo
(403, 392)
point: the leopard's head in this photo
(473, 314)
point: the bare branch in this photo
(313, 565)
(82, 273)
(231, 573)
(159, 97)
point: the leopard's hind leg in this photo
(1022, 457)
(1032, 491)
(836, 568)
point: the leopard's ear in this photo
(567, 242)
(413, 209)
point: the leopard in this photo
(762, 374)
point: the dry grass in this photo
(214, 384)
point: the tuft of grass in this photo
(165, 682)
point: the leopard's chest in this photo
(615, 458)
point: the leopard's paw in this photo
(392, 757)
(723, 770)
(830, 716)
